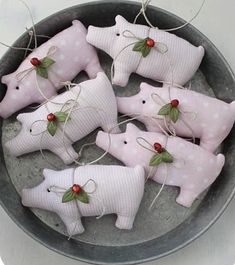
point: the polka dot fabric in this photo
(72, 55)
(193, 169)
(115, 189)
(203, 117)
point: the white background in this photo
(215, 247)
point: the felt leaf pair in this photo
(158, 158)
(42, 67)
(171, 111)
(142, 47)
(70, 195)
(52, 125)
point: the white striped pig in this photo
(114, 189)
(71, 55)
(96, 108)
(203, 117)
(179, 61)
(193, 169)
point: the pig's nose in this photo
(121, 104)
(91, 33)
(4, 113)
(102, 140)
(26, 201)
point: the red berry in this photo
(51, 117)
(34, 61)
(76, 188)
(175, 103)
(158, 147)
(150, 42)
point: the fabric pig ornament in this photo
(193, 169)
(96, 106)
(70, 54)
(159, 55)
(200, 116)
(112, 189)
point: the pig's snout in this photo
(4, 112)
(103, 140)
(124, 105)
(28, 199)
(18, 146)
(102, 38)
(92, 35)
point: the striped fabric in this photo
(96, 108)
(178, 64)
(113, 189)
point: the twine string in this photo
(143, 9)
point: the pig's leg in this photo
(93, 68)
(186, 197)
(124, 222)
(68, 156)
(74, 226)
(121, 76)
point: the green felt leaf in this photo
(52, 127)
(68, 196)
(42, 71)
(167, 157)
(145, 50)
(174, 114)
(139, 45)
(142, 47)
(156, 160)
(61, 116)
(46, 62)
(165, 110)
(82, 196)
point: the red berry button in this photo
(76, 188)
(158, 147)
(51, 117)
(150, 42)
(34, 61)
(175, 103)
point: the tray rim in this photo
(205, 229)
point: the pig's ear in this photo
(121, 20)
(6, 78)
(22, 117)
(78, 24)
(47, 173)
(131, 128)
(144, 86)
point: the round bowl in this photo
(168, 227)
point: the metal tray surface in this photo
(168, 226)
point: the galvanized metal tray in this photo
(169, 226)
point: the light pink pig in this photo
(180, 62)
(193, 169)
(96, 108)
(72, 55)
(210, 119)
